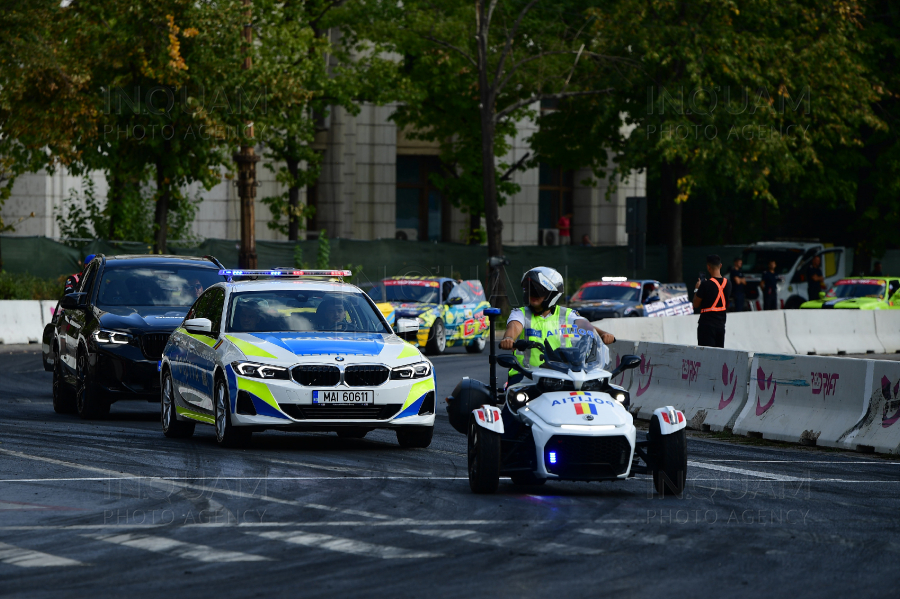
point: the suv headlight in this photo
(115, 337)
(420, 370)
(261, 371)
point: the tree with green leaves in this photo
(476, 70)
(719, 95)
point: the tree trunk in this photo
(161, 219)
(669, 176)
(293, 167)
(497, 276)
(115, 199)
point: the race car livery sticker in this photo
(675, 306)
(612, 284)
(585, 408)
(393, 282)
(860, 282)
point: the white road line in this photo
(756, 473)
(202, 553)
(28, 558)
(471, 536)
(204, 488)
(626, 535)
(868, 462)
(342, 545)
(223, 478)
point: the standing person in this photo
(564, 224)
(73, 281)
(738, 283)
(814, 278)
(586, 240)
(711, 300)
(876, 270)
(769, 285)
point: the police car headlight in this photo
(114, 337)
(261, 371)
(421, 321)
(419, 370)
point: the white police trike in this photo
(565, 420)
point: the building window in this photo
(555, 195)
(421, 212)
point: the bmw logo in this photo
(339, 358)
(588, 417)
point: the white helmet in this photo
(544, 282)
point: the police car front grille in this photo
(317, 376)
(339, 412)
(153, 344)
(587, 457)
(365, 376)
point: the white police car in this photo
(293, 350)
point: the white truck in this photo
(791, 261)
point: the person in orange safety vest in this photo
(711, 300)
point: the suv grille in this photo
(153, 344)
(587, 457)
(365, 376)
(317, 376)
(307, 412)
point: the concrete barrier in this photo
(758, 332)
(708, 384)
(803, 399)
(879, 428)
(633, 329)
(48, 307)
(20, 321)
(832, 331)
(680, 330)
(887, 327)
(616, 351)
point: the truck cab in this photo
(791, 262)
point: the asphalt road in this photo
(113, 508)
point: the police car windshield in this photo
(622, 292)
(406, 290)
(287, 311)
(757, 261)
(164, 286)
(847, 289)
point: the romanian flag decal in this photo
(585, 408)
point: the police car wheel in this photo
(415, 437)
(63, 397)
(89, 403)
(526, 479)
(669, 460)
(227, 434)
(171, 426)
(477, 346)
(484, 459)
(437, 338)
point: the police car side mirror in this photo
(406, 325)
(198, 325)
(628, 362)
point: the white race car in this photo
(293, 350)
(564, 421)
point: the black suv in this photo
(106, 339)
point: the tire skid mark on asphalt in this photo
(386, 474)
(29, 558)
(204, 488)
(180, 549)
(620, 534)
(344, 545)
(508, 541)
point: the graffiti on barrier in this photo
(647, 369)
(764, 384)
(891, 402)
(689, 370)
(728, 378)
(823, 383)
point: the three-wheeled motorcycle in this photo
(565, 420)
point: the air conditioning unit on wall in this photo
(407, 234)
(548, 236)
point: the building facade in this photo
(374, 184)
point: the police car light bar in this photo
(285, 273)
(614, 279)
